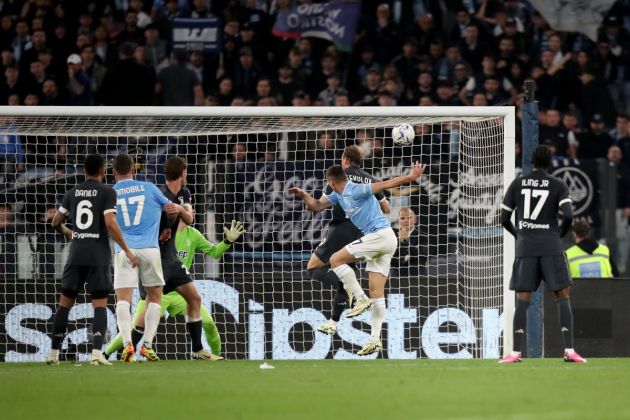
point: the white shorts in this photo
(377, 249)
(149, 269)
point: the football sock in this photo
(520, 324)
(340, 303)
(115, 345)
(325, 275)
(194, 330)
(565, 316)
(378, 313)
(212, 332)
(151, 322)
(136, 336)
(99, 328)
(349, 278)
(59, 327)
(123, 320)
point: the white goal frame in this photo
(507, 113)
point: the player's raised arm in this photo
(416, 172)
(312, 204)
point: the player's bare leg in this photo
(565, 316)
(123, 320)
(99, 328)
(339, 262)
(377, 293)
(59, 328)
(519, 327)
(193, 319)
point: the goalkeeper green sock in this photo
(212, 332)
(114, 346)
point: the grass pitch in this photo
(330, 389)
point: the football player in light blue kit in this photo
(377, 247)
(139, 209)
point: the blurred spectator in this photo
(12, 84)
(21, 39)
(285, 84)
(329, 95)
(384, 35)
(51, 95)
(622, 214)
(79, 83)
(552, 131)
(407, 63)
(226, 91)
(32, 49)
(595, 142)
(588, 258)
(472, 47)
(621, 128)
(127, 82)
(11, 157)
(202, 72)
(94, 70)
(155, 48)
(411, 254)
(177, 85)
(8, 243)
(247, 73)
(131, 32)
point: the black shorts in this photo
(338, 236)
(527, 272)
(175, 275)
(97, 278)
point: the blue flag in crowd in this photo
(335, 21)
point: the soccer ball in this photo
(403, 134)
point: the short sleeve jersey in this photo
(537, 198)
(139, 207)
(86, 206)
(358, 176)
(359, 203)
(167, 248)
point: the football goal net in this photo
(446, 297)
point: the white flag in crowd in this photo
(583, 16)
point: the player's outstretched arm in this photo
(416, 172)
(114, 229)
(312, 205)
(57, 224)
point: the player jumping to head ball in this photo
(377, 246)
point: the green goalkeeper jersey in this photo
(190, 240)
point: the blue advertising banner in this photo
(197, 35)
(335, 21)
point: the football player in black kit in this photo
(341, 232)
(91, 206)
(536, 198)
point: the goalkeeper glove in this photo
(234, 232)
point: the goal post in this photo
(448, 295)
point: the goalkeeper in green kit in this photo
(187, 242)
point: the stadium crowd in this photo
(416, 52)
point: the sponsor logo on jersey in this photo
(529, 225)
(85, 235)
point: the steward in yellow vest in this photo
(588, 258)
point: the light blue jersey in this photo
(139, 209)
(360, 205)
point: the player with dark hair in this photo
(537, 197)
(377, 245)
(139, 207)
(91, 206)
(176, 274)
(341, 232)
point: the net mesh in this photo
(444, 297)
